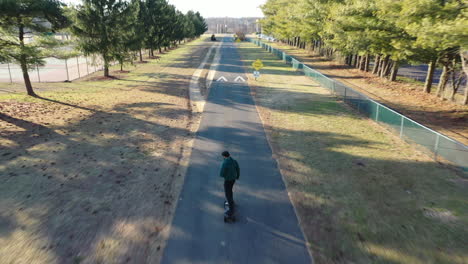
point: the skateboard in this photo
(228, 218)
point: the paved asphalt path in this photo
(267, 229)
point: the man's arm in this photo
(237, 170)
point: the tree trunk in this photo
(106, 71)
(442, 82)
(464, 63)
(355, 58)
(27, 81)
(430, 76)
(394, 71)
(366, 64)
(381, 65)
(106, 66)
(361, 63)
(384, 66)
(121, 66)
(375, 70)
(465, 95)
(388, 68)
(24, 66)
(141, 56)
(456, 81)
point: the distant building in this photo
(246, 25)
(29, 37)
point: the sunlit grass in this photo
(363, 195)
(87, 170)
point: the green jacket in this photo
(229, 169)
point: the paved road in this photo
(53, 71)
(268, 230)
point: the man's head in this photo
(225, 154)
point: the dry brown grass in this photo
(90, 171)
(405, 97)
(361, 193)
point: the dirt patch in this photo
(446, 117)
(103, 78)
(91, 170)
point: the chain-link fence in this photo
(439, 146)
(54, 70)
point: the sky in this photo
(216, 8)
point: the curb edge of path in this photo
(197, 100)
(196, 108)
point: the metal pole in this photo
(9, 71)
(78, 66)
(344, 97)
(377, 114)
(87, 67)
(436, 147)
(38, 75)
(66, 67)
(401, 126)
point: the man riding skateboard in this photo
(230, 172)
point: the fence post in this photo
(436, 146)
(9, 71)
(38, 75)
(66, 67)
(377, 114)
(401, 126)
(333, 88)
(87, 66)
(78, 66)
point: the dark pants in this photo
(228, 192)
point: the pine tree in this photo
(22, 19)
(99, 28)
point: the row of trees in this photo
(115, 30)
(389, 32)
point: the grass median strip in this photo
(89, 171)
(363, 195)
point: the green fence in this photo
(439, 146)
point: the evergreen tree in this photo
(99, 26)
(23, 19)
